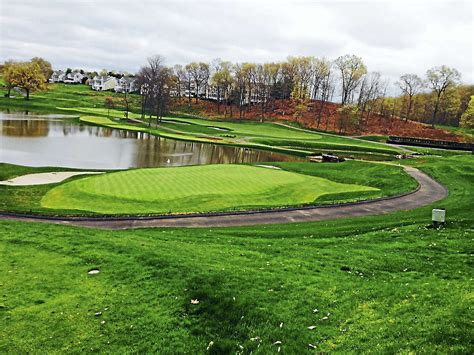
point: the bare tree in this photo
(352, 69)
(239, 90)
(410, 84)
(440, 79)
(370, 90)
(199, 73)
(155, 81)
(180, 79)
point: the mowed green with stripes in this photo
(192, 189)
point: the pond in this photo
(58, 140)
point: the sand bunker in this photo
(268, 166)
(45, 178)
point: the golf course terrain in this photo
(381, 283)
(209, 188)
(387, 283)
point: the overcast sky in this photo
(393, 37)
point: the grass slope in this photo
(192, 189)
(384, 284)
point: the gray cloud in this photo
(393, 37)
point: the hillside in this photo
(287, 110)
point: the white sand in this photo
(268, 166)
(44, 178)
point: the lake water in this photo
(55, 140)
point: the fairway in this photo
(192, 189)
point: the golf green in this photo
(192, 189)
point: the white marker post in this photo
(438, 216)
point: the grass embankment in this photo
(270, 136)
(80, 99)
(192, 189)
(467, 133)
(384, 284)
(161, 187)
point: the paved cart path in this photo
(428, 192)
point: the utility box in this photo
(438, 216)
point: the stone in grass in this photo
(93, 271)
(311, 327)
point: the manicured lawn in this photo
(192, 189)
(388, 180)
(381, 284)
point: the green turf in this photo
(466, 133)
(387, 284)
(192, 189)
(388, 180)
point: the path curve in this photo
(429, 191)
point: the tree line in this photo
(310, 82)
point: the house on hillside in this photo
(126, 84)
(58, 76)
(74, 77)
(103, 83)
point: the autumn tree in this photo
(126, 103)
(44, 65)
(467, 118)
(27, 76)
(351, 69)
(109, 103)
(347, 117)
(8, 76)
(440, 79)
(302, 106)
(449, 106)
(410, 84)
(303, 70)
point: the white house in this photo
(74, 77)
(58, 76)
(126, 84)
(103, 83)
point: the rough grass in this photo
(192, 189)
(387, 284)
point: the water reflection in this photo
(57, 141)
